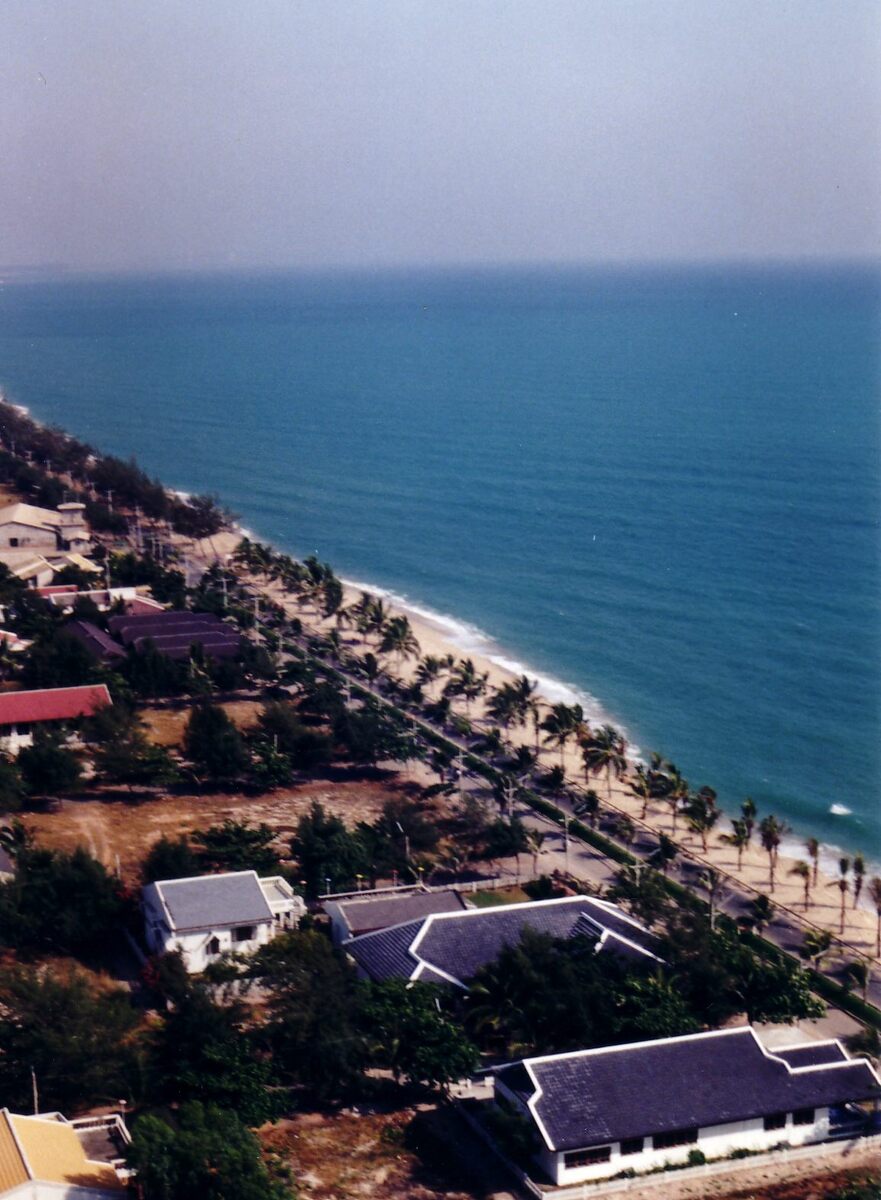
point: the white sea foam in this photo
(840, 810)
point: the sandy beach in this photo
(825, 901)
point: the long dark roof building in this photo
(451, 947)
(174, 633)
(591, 1097)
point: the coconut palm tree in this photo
(815, 946)
(536, 711)
(875, 896)
(641, 789)
(587, 805)
(843, 886)
(563, 723)
(523, 690)
(813, 848)
(677, 793)
(771, 831)
(502, 705)
(466, 681)
(857, 972)
(859, 876)
(604, 751)
(626, 831)
(712, 880)
(803, 871)
(399, 639)
(702, 814)
(535, 839)
(664, 853)
(428, 670)
(762, 912)
(748, 813)
(739, 838)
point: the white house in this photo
(211, 915)
(25, 526)
(594, 1113)
(47, 1157)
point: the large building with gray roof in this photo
(595, 1113)
(450, 947)
(208, 916)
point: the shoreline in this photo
(433, 635)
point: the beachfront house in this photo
(595, 1113)
(351, 916)
(212, 915)
(47, 1157)
(49, 708)
(450, 947)
(48, 531)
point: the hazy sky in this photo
(186, 133)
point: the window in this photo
(244, 933)
(13, 541)
(775, 1121)
(633, 1146)
(803, 1116)
(586, 1158)
(676, 1137)
(214, 946)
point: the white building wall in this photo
(715, 1141)
(15, 536)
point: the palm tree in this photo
(605, 752)
(535, 711)
(466, 681)
(702, 814)
(816, 945)
(626, 831)
(771, 831)
(641, 789)
(377, 617)
(748, 812)
(428, 670)
(563, 723)
(502, 705)
(762, 912)
(399, 639)
(813, 848)
(677, 792)
(859, 875)
(587, 805)
(664, 853)
(535, 839)
(803, 871)
(712, 881)
(857, 971)
(875, 895)
(843, 886)
(738, 838)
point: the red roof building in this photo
(52, 704)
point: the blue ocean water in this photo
(659, 486)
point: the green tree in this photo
(702, 814)
(803, 871)
(771, 831)
(12, 789)
(236, 846)
(209, 1153)
(311, 1022)
(170, 858)
(48, 767)
(564, 723)
(408, 1033)
(75, 1036)
(739, 838)
(643, 892)
(329, 856)
(203, 1051)
(305, 748)
(213, 744)
(605, 751)
(131, 760)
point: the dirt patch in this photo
(780, 1181)
(165, 726)
(117, 825)
(370, 1156)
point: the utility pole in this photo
(566, 840)
(35, 1092)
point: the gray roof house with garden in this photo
(450, 947)
(210, 915)
(594, 1113)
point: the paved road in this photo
(583, 861)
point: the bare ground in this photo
(110, 822)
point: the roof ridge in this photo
(540, 1059)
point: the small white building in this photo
(25, 526)
(595, 1113)
(211, 915)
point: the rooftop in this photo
(455, 945)
(590, 1097)
(47, 1149)
(379, 912)
(52, 704)
(210, 901)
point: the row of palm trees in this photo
(516, 702)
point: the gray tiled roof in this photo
(459, 944)
(598, 1096)
(812, 1054)
(379, 912)
(210, 901)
